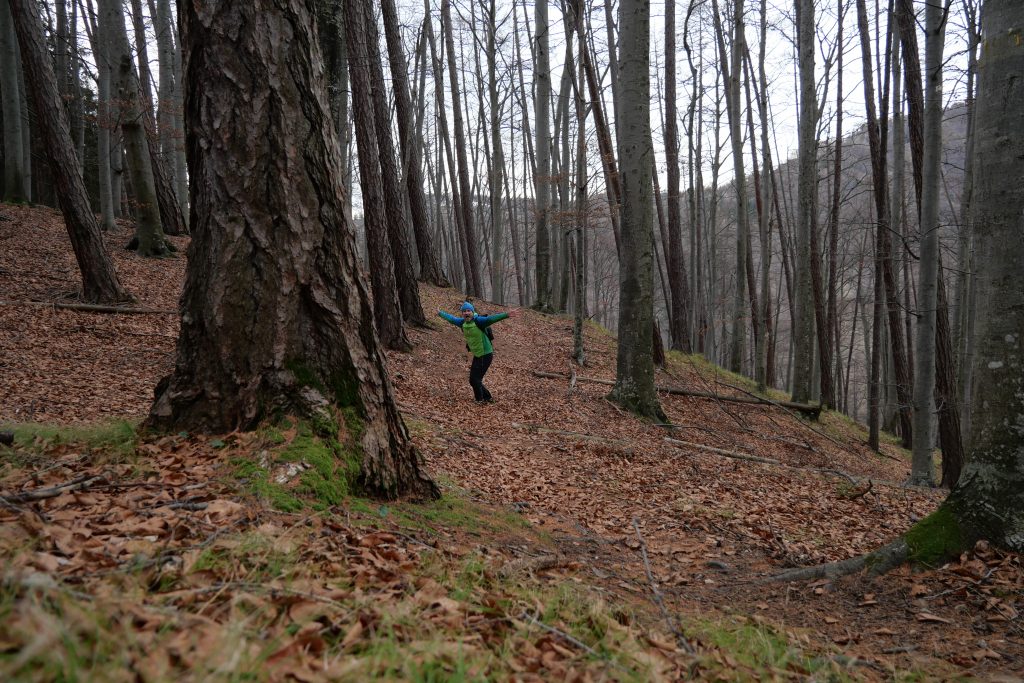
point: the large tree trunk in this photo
(989, 500)
(99, 280)
(426, 249)
(14, 156)
(275, 316)
(386, 305)
(634, 376)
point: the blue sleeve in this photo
(451, 318)
(485, 320)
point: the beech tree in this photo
(275, 315)
(99, 279)
(988, 501)
(634, 372)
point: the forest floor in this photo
(573, 542)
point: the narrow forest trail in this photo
(631, 515)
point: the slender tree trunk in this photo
(14, 155)
(249, 347)
(876, 126)
(398, 237)
(473, 287)
(803, 340)
(149, 235)
(634, 377)
(180, 162)
(580, 280)
(426, 250)
(542, 177)
(387, 308)
(922, 464)
(99, 279)
(731, 74)
(677, 276)
(966, 287)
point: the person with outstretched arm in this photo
(479, 343)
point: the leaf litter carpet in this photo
(669, 527)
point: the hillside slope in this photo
(555, 483)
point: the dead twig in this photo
(659, 599)
(76, 484)
(760, 460)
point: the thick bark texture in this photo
(989, 500)
(275, 316)
(99, 279)
(634, 376)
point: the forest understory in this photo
(573, 541)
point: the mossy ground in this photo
(936, 538)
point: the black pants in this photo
(476, 376)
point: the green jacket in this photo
(473, 330)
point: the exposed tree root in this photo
(91, 308)
(877, 562)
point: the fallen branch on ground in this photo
(92, 308)
(41, 494)
(811, 410)
(758, 459)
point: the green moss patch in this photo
(935, 538)
(117, 438)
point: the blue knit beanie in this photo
(466, 306)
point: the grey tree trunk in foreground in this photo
(99, 279)
(634, 372)
(989, 500)
(275, 315)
